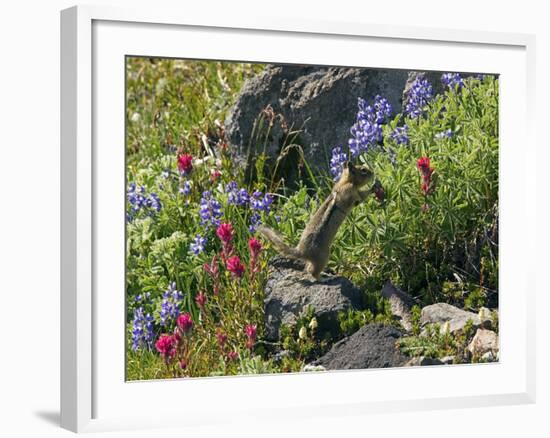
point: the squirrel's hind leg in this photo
(315, 268)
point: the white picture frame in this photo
(92, 395)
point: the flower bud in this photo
(313, 323)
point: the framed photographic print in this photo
(262, 207)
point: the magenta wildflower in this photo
(221, 337)
(251, 331)
(232, 355)
(225, 233)
(185, 323)
(423, 165)
(255, 247)
(213, 269)
(185, 164)
(235, 266)
(165, 345)
(201, 299)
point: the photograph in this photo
(285, 218)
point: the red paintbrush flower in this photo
(235, 266)
(184, 322)
(185, 163)
(423, 163)
(201, 299)
(165, 345)
(255, 246)
(225, 233)
(251, 330)
(221, 337)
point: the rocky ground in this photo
(440, 328)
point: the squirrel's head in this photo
(357, 175)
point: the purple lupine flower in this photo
(171, 148)
(143, 333)
(401, 135)
(255, 220)
(197, 246)
(135, 197)
(382, 109)
(139, 201)
(166, 173)
(337, 162)
(236, 196)
(367, 130)
(261, 202)
(417, 97)
(186, 189)
(169, 308)
(210, 210)
(153, 202)
(452, 80)
(445, 134)
(480, 77)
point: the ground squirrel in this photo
(317, 237)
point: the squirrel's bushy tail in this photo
(279, 244)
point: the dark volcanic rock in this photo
(319, 101)
(422, 361)
(372, 346)
(290, 291)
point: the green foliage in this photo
(255, 365)
(435, 344)
(416, 313)
(377, 310)
(436, 341)
(352, 320)
(301, 340)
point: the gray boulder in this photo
(400, 304)
(290, 291)
(319, 101)
(372, 346)
(484, 341)
(440, 313)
